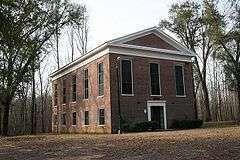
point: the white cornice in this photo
(149, 54)
(116, 46)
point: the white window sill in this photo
(127, 95)
(100, 96)
(156, 95)
(73, 102)
(181, 96)
(74, 125)
(86, 125)
(101, 125)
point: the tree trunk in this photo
(42, 100)
(206, 102)
(238, 92)
(33, 106)
(6, 108)
(0, 121)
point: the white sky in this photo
(109, 19)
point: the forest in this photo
(30, 35)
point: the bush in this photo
(140, 126)
(186, 124)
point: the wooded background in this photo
(31, 30)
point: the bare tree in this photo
(81, 31)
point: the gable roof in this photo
(121, 42)
(156, 31)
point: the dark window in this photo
(154, 79)
(55, 94)
(64, 119)
(86, 118)
(126, 68)
(55, 120)
(85, 90)
(100, 79)
(101, 117)
(179, 80)
(64, 91)
(74, 118)
(74, 88)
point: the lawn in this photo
(219, 143)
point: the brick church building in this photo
(144, 76)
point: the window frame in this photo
(99, 116)
(62, 118)
(64, 92)
(183, 77)
(84, 89)
(74, 94)
(55, 119)
(159, 79)
(85, 118)
(101, 63)
(55, 94)
(126, 59)
(75, 119)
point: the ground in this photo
(218, 143)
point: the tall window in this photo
(64, 91)
(74, 88)
(55, 120)
(86, 118)
(179, 78)
(100, 79)
(101, 117)
(74, 118)
(85, 81)
(126, 74)
(55, 94)
(154, 79)
(64, 119)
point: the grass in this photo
(210, 143)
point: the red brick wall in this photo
(92, 104)
(132, 107)
(151, 40)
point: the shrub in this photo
(186, 124)
(140, 126)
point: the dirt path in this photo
(198, 144)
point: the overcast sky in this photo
(109, 19)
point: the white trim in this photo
(85, 118)
(104, 49)
(101, 125)
(101, 62)
(127, 59)
(81, 62)
(184, 90)
(63, 125)
(87, 56)
(84, 97)
(75, 75)
(152, 49)
(159, 80)
(149, 54)
(159, 103)
(74, 125)
(157, 32)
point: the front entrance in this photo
(157, 112)
(157, 116)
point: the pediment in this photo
(151, 40)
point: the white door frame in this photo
(157, 103)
